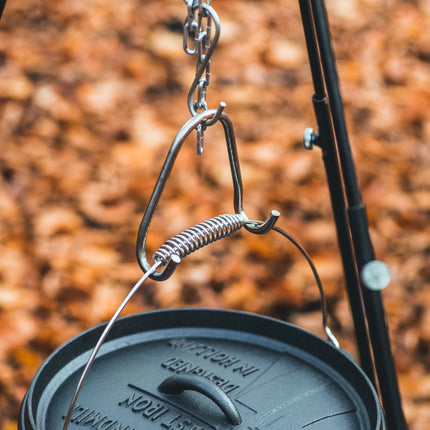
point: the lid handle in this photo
(176, 384)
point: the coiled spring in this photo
(200, 235)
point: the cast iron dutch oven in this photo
(200, 369)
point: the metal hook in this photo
(217, 115)
(266, 226)
(202, 127)
(207, 117)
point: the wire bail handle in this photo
(208, 117)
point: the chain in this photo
(199, 41)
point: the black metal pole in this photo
(326, 141)
(358, 224)
(2, 5)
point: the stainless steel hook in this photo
(205, 118)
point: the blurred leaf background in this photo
(92, 94)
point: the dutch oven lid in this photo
(200, 369)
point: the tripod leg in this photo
(326, 141)
(357, 221)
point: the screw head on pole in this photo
(309, 138)
(375, 275)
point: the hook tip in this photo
(266, 226)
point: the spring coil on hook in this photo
(199, 235)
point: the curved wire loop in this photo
(207, 117)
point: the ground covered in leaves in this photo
(92, 93)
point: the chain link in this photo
(198, 40)
(197, 27)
